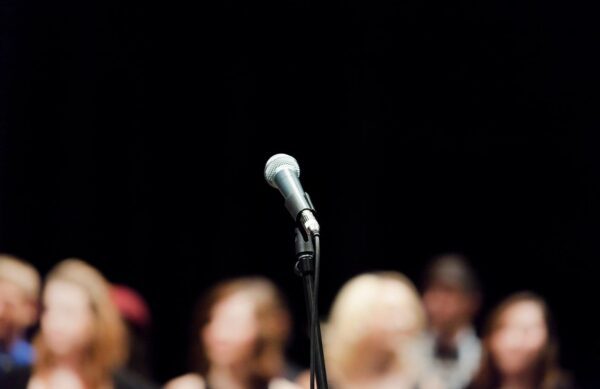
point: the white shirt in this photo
(454, 373)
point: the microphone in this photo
(283, 173)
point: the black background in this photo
(134, 135)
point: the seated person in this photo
(521, 347)
(243, 326)
(452, 297)
(82, 342)
(373, 337)
(19, 289)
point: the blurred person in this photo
(521, 347)
(242, 329)
(135, 313)
(451, 297)
(372, 339)
(19, 290)
(81, 343)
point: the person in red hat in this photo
(136, 315)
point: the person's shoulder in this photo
(187, 381)
(16, 379)
(292, 371)
(565, 381)
(303, 379)
(282, 383)
(125, 379)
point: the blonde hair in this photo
(21, 274)
(351, 315)
(273, 322)
(108, 348)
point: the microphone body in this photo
(283, 173)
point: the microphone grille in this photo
(278, 161)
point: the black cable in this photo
(315, 293)
(317, 244)
(311, 339)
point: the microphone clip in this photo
(307, 220)
(305, 253)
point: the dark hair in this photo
(548, 374)
(273, 319)
(452, 270)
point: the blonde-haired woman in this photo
(241, 332)
(373, 336)
(81, 343)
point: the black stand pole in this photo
(305, 268)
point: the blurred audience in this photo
(372, 339)
(521, 347)
(243, 326)
(19, 290)
(136, 315)
(452, 297)
(82, 340)
(379, 334)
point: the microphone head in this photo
(278, 162)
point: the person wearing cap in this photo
(452, 298)
(135, 312)
(19, 289)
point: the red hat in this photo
(131, 305)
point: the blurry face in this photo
(230, 336)
(395, 318)
(518, 341)
(16, 311)
(67, 321)
(448, 307)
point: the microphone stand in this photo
(305, 268)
